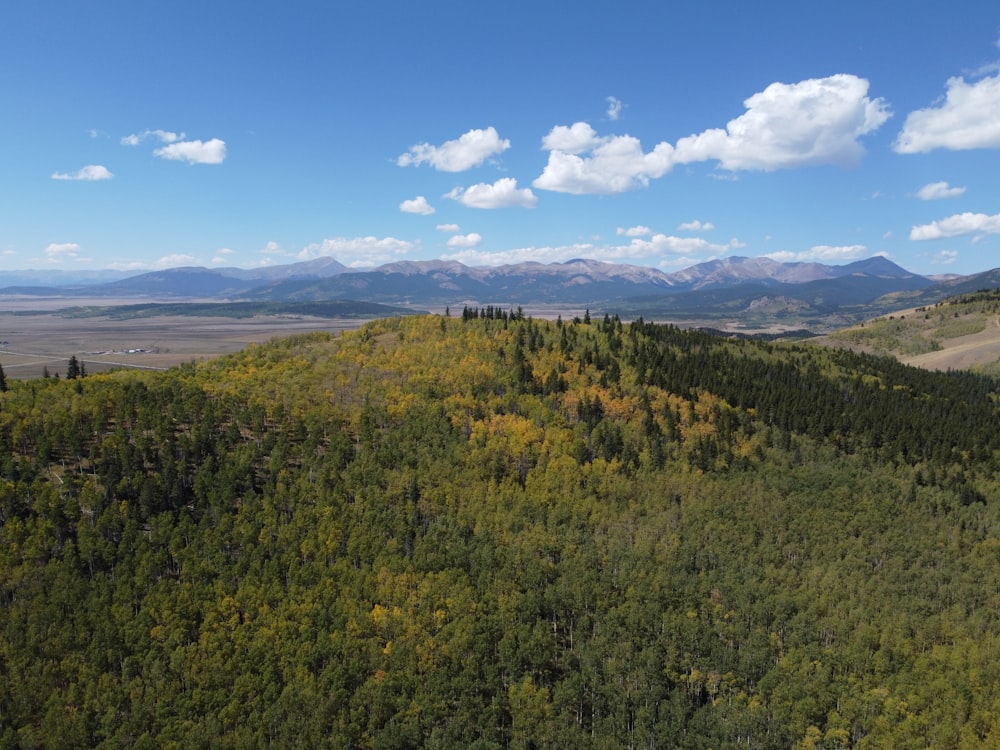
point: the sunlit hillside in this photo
(961, 332)
(488, 531)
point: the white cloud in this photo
(662, 244)
(636, 231)
(968, 118)
(614, 107)
(359, 251)
(221, 255)
(821, 254)
(503, 193)
(62, 251)
(957, 226)
(610, 165)
(465, 240)
(418, 205)
(174, 261)
(448, 227)
(816, 121)
(812, 122)
(696, 226)
(469, 150)
(574, 139)
(194, 152)
(164, 136)
(89, 173)
(937, 190)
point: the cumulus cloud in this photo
(358, 251)
(194, 152)
(468, 151)
(62, 251)
(696, 226)
(822, 254)
(812, 122)
(614, 107)
(969, 117)
(957, 226)
(572, 139)
(89, 173)
(937, 190)
(448, 227)
(636, 231)
(418, 205)
(581, 163)
(503, 193)
(465, 240)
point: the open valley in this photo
(31, 341)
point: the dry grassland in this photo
(33, 341)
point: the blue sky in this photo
(141, 136)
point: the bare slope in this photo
(961, 333)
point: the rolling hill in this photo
(491, 531)
(960, 332)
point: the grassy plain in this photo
(40, 334)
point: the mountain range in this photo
(735, 285)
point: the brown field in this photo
(975, 351)
(36, 339)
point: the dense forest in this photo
(488, 531)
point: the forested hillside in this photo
(489, 531)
